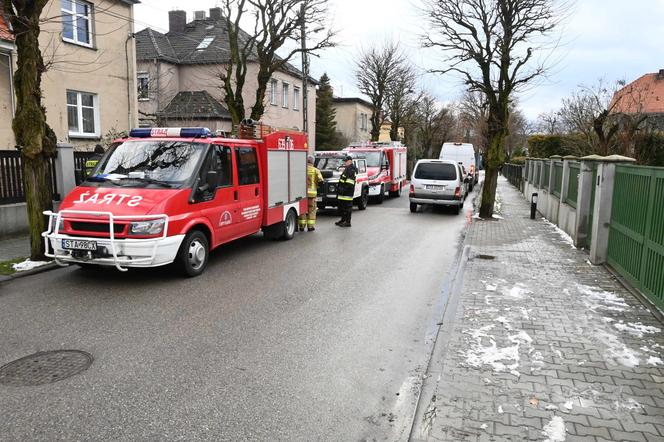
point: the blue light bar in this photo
(177, 132)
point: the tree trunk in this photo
(375, 125)
(494, 158)
(258, 109)
(36, 139)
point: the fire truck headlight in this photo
(61, 225)
(152, 227)
(333, 187)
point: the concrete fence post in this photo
(64, 169)
(606, 172)
(583, 208)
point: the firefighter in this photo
(345, 191)
(94, 159)
(314, 178)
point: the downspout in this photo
(129, 79)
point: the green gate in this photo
(589, 227)
(636, 231)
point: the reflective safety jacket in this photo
(314, 178)
(346, 187)
(91, 163)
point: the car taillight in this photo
(457, 193)
(412, 189)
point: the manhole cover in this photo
(44, 367)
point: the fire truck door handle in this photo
(256, 191)
(235, 195)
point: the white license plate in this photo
(79, 244)
(434, 187)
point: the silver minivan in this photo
(439, 183)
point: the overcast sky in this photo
(613, 39)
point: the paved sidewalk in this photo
(544, 346)
(14, 247)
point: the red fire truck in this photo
(166, 195)
(386, 166)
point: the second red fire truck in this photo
(386, 167)
(166, 195)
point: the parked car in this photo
(438, 183)
(331, 164)
(462, 153)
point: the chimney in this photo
(215, 13)
(660, 74)
(199, 15)
(177, 20)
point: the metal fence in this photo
(557, 178)
(12, 188)
(80, 158)
(636, 229)
(573, 184)
(536, 175)
(514, 174)
(546, 171)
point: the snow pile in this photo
(28, 265)
(555, 430)
(631, 405)
(494, 216)
(519, 291)
(500, 359)
(563, 235)
(601, 299)
(653, 360)
(636, 328)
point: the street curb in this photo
(438, 349)
(41, 269)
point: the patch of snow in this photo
(568, 405)
(636, 328)
(601, 299)
(653, 360)
(521, 336)
(563, 235)
(487, 381)
(28, 265)
(617, 350)
(605, 319)
(477, 216)
(484, 426)
(644, 348)
(551, 407)
(555, 430)
(589, 263)
(537, 361)
(500, 409)
(631, 404)
(494, 216)
(490, 288)
(581, 363)
(525, 313)
(556, 351)
(519, 291)
(504, 322)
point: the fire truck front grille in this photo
(83, 226)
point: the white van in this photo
(463, 153)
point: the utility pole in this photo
(305, 72)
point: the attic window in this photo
(205, 43)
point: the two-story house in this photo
(89, 89)
(179, 78)
(353, 118)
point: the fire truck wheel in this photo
(381, 196)
(396, 193)
(289, 225)
(364, 199)
(193, 255)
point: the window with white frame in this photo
(82, 114)
(284, 98)
(143, 86)
(363, 121)
(296, 98)
(273, 92)
(77, 22)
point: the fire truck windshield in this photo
(331, 163)
(373, 158)
(150, 161)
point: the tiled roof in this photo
(5, 32)
(644, 95)
(195, 105)
(186, 49)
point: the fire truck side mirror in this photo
(211, 179)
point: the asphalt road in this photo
(324, 337)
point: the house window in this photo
(82, 114)
(77, 22)
(273, 92)
(363, 122)
(143, 86)
(296, 98)
(284, 100)
(205, 43)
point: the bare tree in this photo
(549, 123)
(490, 43)
(35, 138)
(399, 98)
(376, 72)
(277, 28)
